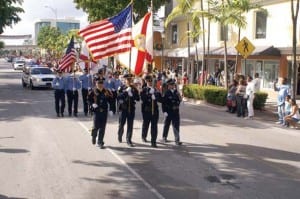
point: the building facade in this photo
(270, 34)
(64, 25)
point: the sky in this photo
(36, 9)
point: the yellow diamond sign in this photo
(245, 47)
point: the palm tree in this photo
(224, 13)
(295, 12)
(244, 6)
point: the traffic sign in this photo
(245, 47)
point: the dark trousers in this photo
(148, 118)
(175, 119)
(99, 124)
(112, 102)
(129, 117)
(84, 93)
(59, 96)
(240, 106)
(72, 97)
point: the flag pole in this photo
(129, 70)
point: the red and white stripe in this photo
(102, 40)
(67, 61)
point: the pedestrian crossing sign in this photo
(245, 47)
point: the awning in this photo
(183, 52)
(259, 50)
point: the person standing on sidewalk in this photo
(250, 97)
(59, 86)
(127, 97)
(294, 116)
(150, 111)
(283, 91)
(240, 98)
(170, 107)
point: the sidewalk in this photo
(269, 112)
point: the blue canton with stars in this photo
(123, 20)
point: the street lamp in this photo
(162, 50)
(54, 10)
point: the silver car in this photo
(18, 65)
(37, 77)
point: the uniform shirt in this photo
(86, 81)
(171, 101)
(146, 98)
(110, 84)
(100, 99)
(118, 84)
(59, 83)
(126, 102)
(73, 83)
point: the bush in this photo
(217, 95)
(260, 100)
(210, 94)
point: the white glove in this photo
(113, 89)
(110, 113)
(94, 105)
(165, 114)
(89, 88)
(151, 91)
(74, 89)
(57, 83)
(153, 97)
(121, 101)
(130, 94)
(128, 89)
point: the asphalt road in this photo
(223, 156)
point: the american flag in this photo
(109, 36)
(69, 58)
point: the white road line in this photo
(151, 188)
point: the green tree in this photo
(52, 40)
(102, 9)
(9, 13)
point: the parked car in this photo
(38, 76)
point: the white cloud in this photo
(35, 10)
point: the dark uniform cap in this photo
(85, 69)
(100, 80)
(116, 73)
(171, 81)
(100, 70)
(148, 78)
(127, 76)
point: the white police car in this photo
(38, 76)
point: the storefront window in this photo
(270, 73)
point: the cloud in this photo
(35, 10)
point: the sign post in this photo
(245, 48)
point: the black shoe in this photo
(62, 114)
(85, 114)
(129, 143)
(154, 145)
(75, 114)
(178, 143)
(165, 140)
(70, 114)
(57, 115)
(101, 145)
(94, 140)
(120, 139)
(144, 139)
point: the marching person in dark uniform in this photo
(170, 107)
(118, 84)
(110, 85)
(73, 85)
(150, 96)
(59, 86)
(86, 85)
(127, 97)
(100, 97)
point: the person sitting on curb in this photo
(294, 116)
